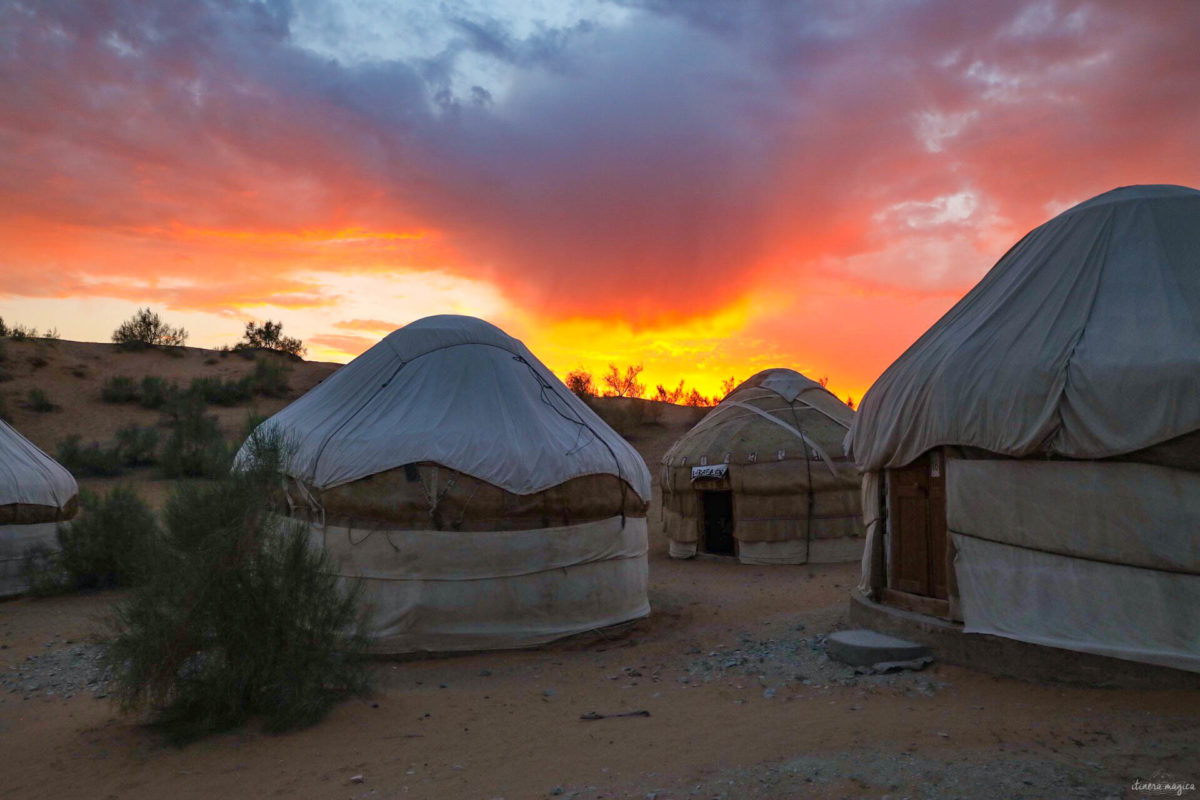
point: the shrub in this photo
(136, 446)
(269, 336)
(155, 392)
(146, 329)
(108, 545)
(579, 381)
(221, 392)
(37, 401)
(79, 371)
(241, 618)
(88, 461)
(20, 333)
(3, 349)
(37, 361)
(270, 378)
(195, 448)
(3, 327)
(119, 389)
(4, 413)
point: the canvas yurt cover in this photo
(763, 477)
(1051, 421)
(481, 502)
(36, 493)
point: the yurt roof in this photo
(30, 477)
(1083, 341)
(766, 414)
(460, 392)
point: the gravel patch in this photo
(798, 658)
(63, 672)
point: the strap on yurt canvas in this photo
(820, 451)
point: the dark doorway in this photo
(717, 508)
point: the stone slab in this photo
(863, 648)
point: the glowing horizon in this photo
(705, 190)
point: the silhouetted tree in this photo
(850, 402)
(146, 329)
(728, 385)
(624, 384)
(824, 381)
(269, 336)
(579, 381)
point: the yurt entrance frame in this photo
(716, 522)
(920, 559)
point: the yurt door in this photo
(917, 510)
(717, 535)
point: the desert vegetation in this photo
(269, 336)
(240, 618)
(146, 329)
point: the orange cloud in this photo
(704, 193)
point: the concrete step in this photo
(863, 648)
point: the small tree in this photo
(579, 381)
(728, 385)
(3, 327)
(694, 398)
(850, 402)
(624, 384)
(146, 329)
(240, 617)
(269, 336)
(824, 381)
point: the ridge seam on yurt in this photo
(1100, 247)
(316, 462)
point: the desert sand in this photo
(741, 700)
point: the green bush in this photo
(88, 461)
(119, 389)
(195, 447)
(107, 546)
(155, 392)
(37, 401)
(222, 392)
(270, 378)
(137, 446)
(241, 618)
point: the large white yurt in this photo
(1032, 462)
(36, 494)
(762, 477)
(482, 504)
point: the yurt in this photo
(762, 477)
(36, 493)
(480, 502)
(1032, 463)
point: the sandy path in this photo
(507, 724)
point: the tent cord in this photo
(808, 467)
(547, 388)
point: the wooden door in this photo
(917, 509)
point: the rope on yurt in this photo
(811, 498)
(546, 388)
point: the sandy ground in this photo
(742, 701)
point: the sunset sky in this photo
(706, 188)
